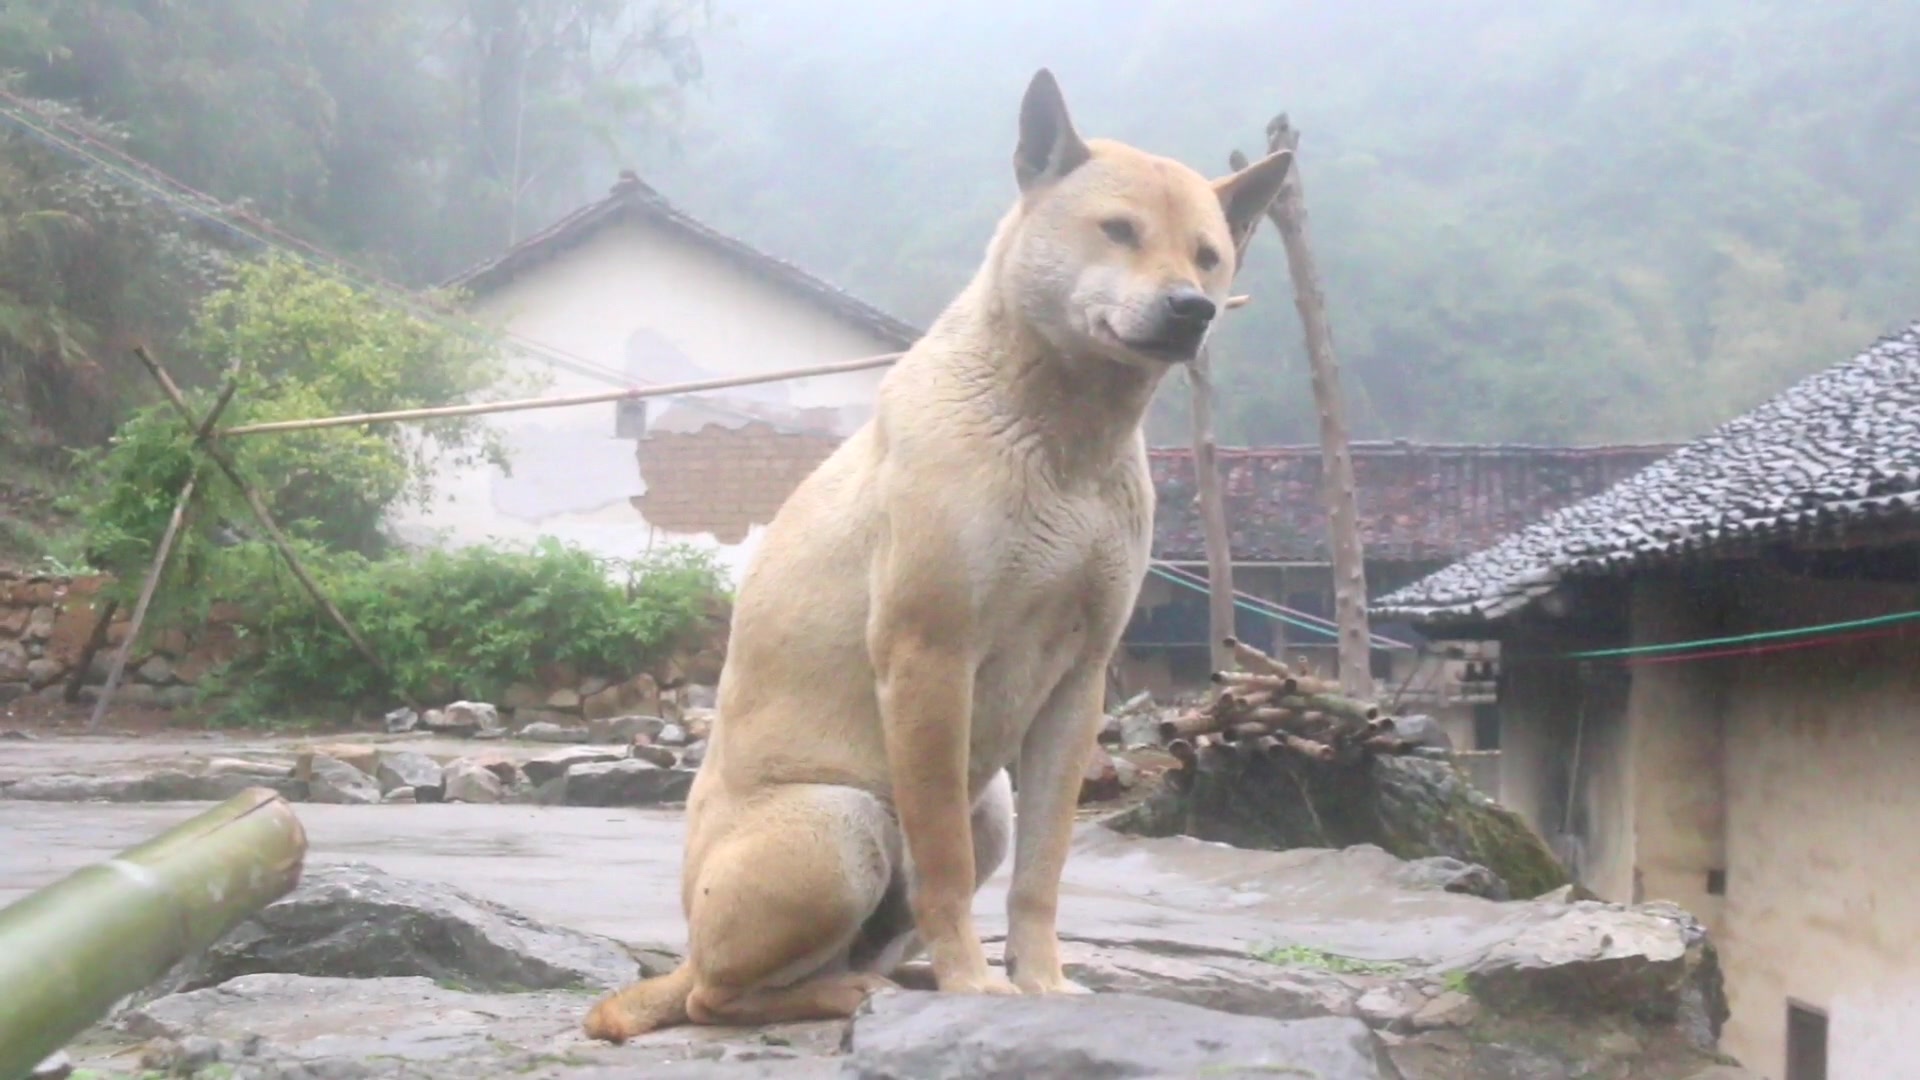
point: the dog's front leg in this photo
(926, 704)
(1053, 758)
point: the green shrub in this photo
(465, 623)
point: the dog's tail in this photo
(645, 1006)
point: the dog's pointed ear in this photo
(1245, 195)
(1049, 147)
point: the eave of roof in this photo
(1838, 449)
(633, 200)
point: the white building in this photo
(632, 291)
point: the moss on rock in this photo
(1412, 807)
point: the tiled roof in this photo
(1417, 503)
(1839, 447)
(632, 199)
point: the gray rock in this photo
(693, 755)
(42, 672)
(11, 692)
(1423, 731)
(469, 781)
(291, 1027)
(13, 662)
(463, 718)
(40, 624)
(656, 755)
(401, 721)
(544, 731)
(178, 697)
(1448, 874)
(331, 780)
(926, 1036)
(403, 795)
(626, 782)
(157, 670)
(56, 1066)
(622, 729)
(1651, 962)
(1450, 1009)
(405, 768)
(671, 735)
(539, 770)
(353, 921)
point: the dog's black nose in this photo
(1190, 305)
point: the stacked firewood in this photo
(1268, 710)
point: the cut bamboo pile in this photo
(1268, 710)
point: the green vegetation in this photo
(1321, 960)
(460, 624)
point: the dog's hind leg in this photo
(773, 909)
(779, 903)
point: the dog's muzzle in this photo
(1185, 317)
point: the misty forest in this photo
(1574, 222)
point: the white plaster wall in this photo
(572, 477)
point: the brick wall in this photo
(724, 480)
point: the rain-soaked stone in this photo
(353, 921)
(929, 1036)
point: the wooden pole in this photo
(632, 393)
(1213, 512)
(159, 566)
(72, 949)
(154, 573)
(1289, 216)
(265, 517)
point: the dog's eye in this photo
(1120, 231)
(1206, 258)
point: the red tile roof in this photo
(1417, 502)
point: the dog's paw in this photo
(988, 982)
(1055, 984)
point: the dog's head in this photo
(1118, 252)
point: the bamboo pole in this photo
(265, 518)
(72, 949)
(633, 393)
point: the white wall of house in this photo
(646, 302)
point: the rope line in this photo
(1742, 639)
(1281, 615)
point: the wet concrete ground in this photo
(616, 872)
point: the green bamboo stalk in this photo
(71, 950)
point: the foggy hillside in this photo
(1570, 221)
(1575, 221)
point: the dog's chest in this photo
(1064, 586)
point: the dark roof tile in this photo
(1840, 446)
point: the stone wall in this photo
(45, 623)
